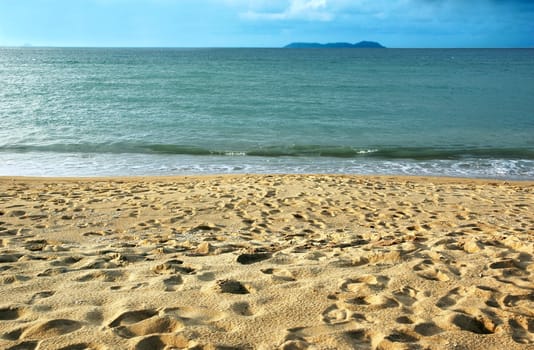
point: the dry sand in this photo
(266, 262)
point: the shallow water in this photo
(86, 112)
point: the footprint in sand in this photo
(404, 320)
(162, 341)
(231, 287)
(475, 324)
(9, 258)
(295, 344)
(334, 314)
(106, 276)
(247, 259)
(11, 313)
(407, 296)
(398, 336)
(279, 274)
(66, 261)
(427, 329)
(27, 345)
(427, 270)
(11, 279)
(131, 317)
(242, 308)
(522, 329)
(172, 282)
(505, 264)
(337, 335)
(193, 316)
(52, 328)
(16, 213)
(12, 335)
(97, 233)
(131, 324)
(153, 325)
(520, 300)
(35, 245)
(206, 276)
(373, 302)
(52, 272)
(451, 298)
(509, 268)
(173, 266)
(41, 295)
(371, 283)
(4, 231)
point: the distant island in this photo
(360, 45)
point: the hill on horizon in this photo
(361, 44)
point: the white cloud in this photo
(295, 9)
(328, 10)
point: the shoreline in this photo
(140, 178)
(266, 262)
(120, 165)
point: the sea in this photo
(80, 112)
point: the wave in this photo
(414, 153)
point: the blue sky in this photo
(262, 23)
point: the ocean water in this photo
(99, 112)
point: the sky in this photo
(263, 23)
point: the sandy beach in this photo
(266, 262)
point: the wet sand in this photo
(266, 262)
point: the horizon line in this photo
(26, 46)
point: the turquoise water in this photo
(84, 112)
